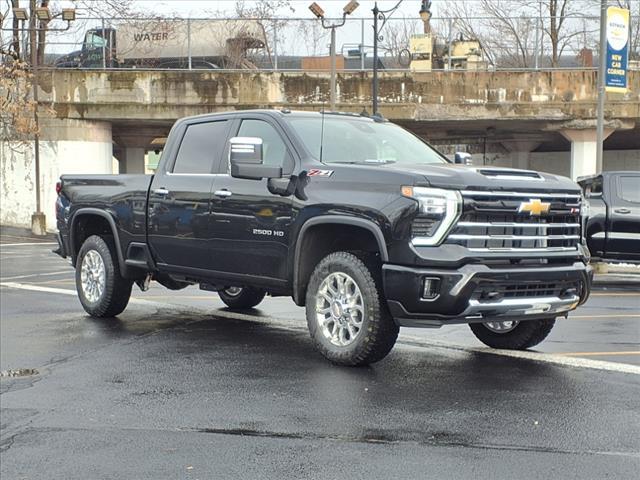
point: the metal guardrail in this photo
(301, 44)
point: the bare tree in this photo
(634, 34)
(397, 34)
(315, 37)
(89, 8)
(507, 30)
(16, 104)
(266, 13)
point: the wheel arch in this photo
(92, 221)
(319, 236)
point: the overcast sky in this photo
(196, 8)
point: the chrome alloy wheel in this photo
(339, 309)
(501, 327)
(92, 276)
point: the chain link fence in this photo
(297, 44)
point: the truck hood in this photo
(462, 177)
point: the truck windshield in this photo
(360, 141)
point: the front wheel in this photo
(347, 316)
(513, 334)
(102, 291)
(240, 298)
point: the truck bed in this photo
(122, 196)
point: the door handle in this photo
(622, 210)
(161, 191)
(222, 193)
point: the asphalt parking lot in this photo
(179, 387)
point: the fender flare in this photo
(333, 219)
(114, 231)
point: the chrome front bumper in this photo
(461, 301)
(519, 307)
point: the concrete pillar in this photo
(583, 150)
(66, 147)
(519, 151)
(132, 160)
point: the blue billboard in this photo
(617, 49)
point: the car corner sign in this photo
(617, 49)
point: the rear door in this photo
(250, 225)
(180, 197)
(623, 240)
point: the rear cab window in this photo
(201, 147)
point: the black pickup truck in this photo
(612, 228)
(354, 217)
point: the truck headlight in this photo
(439, 209)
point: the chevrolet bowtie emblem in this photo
(534, 207)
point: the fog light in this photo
(431, 288)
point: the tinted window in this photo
(200, 147)
(274, 150)
(629, 189)
(94, 40)
(356, 140)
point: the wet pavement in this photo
(177, 387)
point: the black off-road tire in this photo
(379, 332)
(248, 297)
(526, 334)
(117, 290)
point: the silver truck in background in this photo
(173, 43)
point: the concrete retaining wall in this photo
(90, 152)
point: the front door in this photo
(623, 240)
(180, 197)
(250, 225)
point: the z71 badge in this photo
(316, 172)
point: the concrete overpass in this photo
(503, 115)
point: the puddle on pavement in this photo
(18, 372)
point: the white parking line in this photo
(17, 277)
(26, 243)
(556, 359)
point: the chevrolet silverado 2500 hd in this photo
(354, 217)
(612, 227)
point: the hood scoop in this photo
(507, 174)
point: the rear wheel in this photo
(241, 297)
(347, 317)
(102, 291)
(513, 334)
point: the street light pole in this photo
(601, 86)
(38, 219)
(332, 85)
(374, 89)
(319, 13)
(378, 15)
(35, 15)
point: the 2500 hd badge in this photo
(275, 233)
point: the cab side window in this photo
(200, 147)
(273, 147)
(629, 188)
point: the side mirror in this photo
(462, 158)
(245, 159)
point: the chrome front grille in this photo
(492, 222)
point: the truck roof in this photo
(286, 112)
(607, 173)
